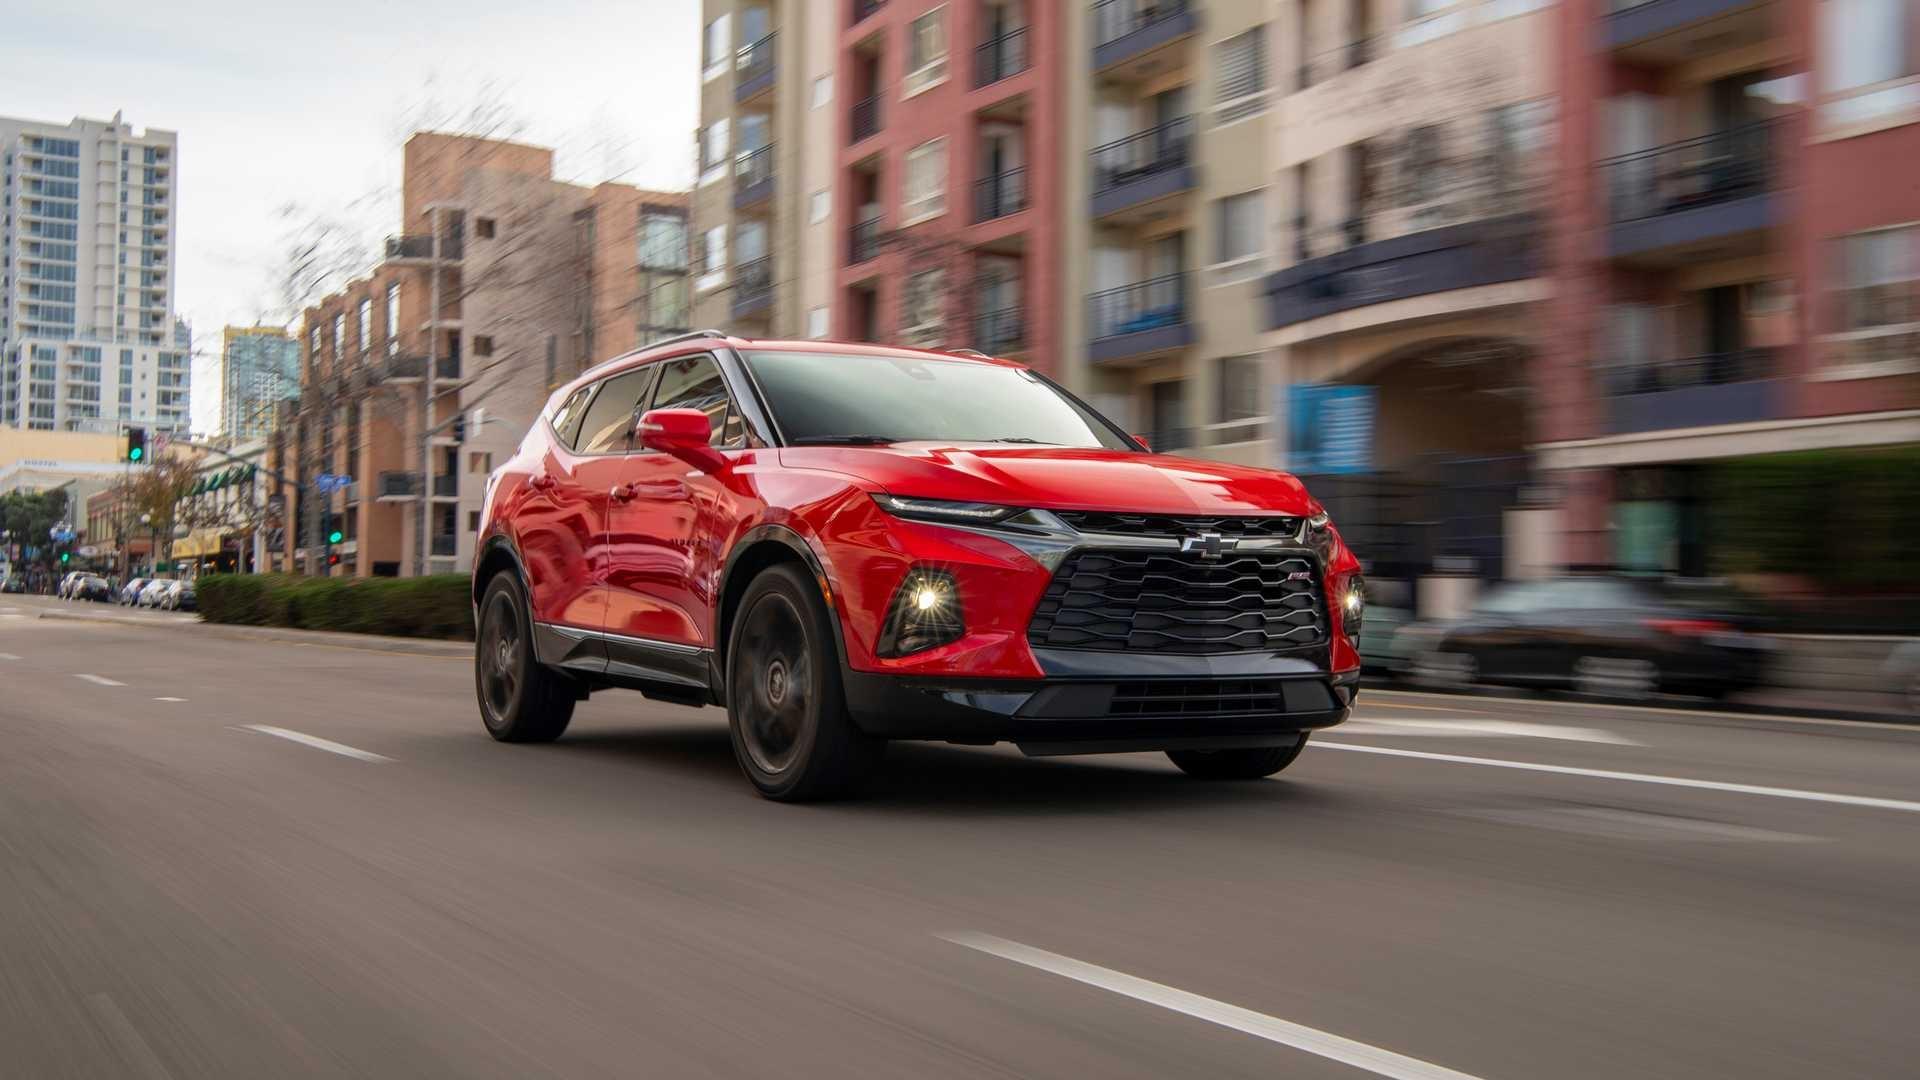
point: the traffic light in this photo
(136, 444)
(335, 536)
(65, 556)
(459, 429)
(333, 560)
(330, 527)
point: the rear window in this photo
(566, 418)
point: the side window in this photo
(694, 382)
(609, 420)
(566, 418)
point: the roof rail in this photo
(970, 352)
(693, 335)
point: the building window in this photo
(340, 334)
(926, 52)
(366, 323)
(480, 461)
(717, 48)
(713, 247)
(817, 323)
(393, 318)
(473, 521)
(1239, 227)
(482, 345)
(1240, 83)
(822, 95)
(1241, 410)
(483, 228)
(663, 241)
(1876, 300)
(819, 205)
(926, 179)
(713, 144)
(667, 305)
(922, 312)
(1863, 42)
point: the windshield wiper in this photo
(1022, 439)
(845, 440)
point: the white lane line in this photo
(99, 680)
(316, 742)
(1635, 825)
(1299, 1036)
(1483, 729)
(1638, 778)
(8, 656)
(1631, 712)
(169, 699)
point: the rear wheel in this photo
(521, 699)
(1248, 764)
(1624, 677)
(785, 705)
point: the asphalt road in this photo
(183, 895)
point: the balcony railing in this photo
(1001, 194)
(444, 546)
(1000, 331)
(446, 484)
(752, 284)
(1711, 369)
(1703, 171)
(864, 8)
(399, 485)
(864, 241)
(866, 118)
(753, 175)
(1153, 304)
(1115, 19)
(421, 247)
(753, 61)
(1334, 61)
(446, 367)
(1737, 387)
(1000, 58)
(1136, 157)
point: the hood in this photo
(1061, 478)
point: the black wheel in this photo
(521, 700)
(1248, 764)
(785, 704)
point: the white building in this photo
(88, 337)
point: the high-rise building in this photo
(88, 336)
(259, 368)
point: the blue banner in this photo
(1330, 428)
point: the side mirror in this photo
(684, 433)
(1142, 440)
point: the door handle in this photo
(540, 481)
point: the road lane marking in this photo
(8, 656)
(1638, 778)
(1285, 1032)
(100, 680)
(1634, 825)
(169, 699)
(1483, 729)
(316, 742)
(1631, 711)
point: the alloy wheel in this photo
(773, 684)
(499, 655)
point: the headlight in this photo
(946, 511)
(925, 613)
(1353, 605)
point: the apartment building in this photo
(1737, 275)
(419, 377)
(259, 368)
(87, 231)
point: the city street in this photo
(233, 858)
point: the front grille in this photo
(1096, 521)
(1199, 697)
(1167, 602)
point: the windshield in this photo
(833, 397)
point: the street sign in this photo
(1329, 427)
(87, 551)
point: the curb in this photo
(325, 638)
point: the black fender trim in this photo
(793, 541)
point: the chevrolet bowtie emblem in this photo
(1207, 545)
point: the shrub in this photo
(436, 606)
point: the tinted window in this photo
(694, 382)
(816, 396)
(609, 420)
(566, 419)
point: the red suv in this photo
(846, 544)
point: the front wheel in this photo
(786, 708)
(521, 699)
(1248, 764)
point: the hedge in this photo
(435, 606)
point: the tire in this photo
(786, 708)
(1622, 678)
(1249, 764)
(521, 699)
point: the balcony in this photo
(1126, 31)
(1471, 254)
(863, 241)
(1138, 320)
(446, 486)
(1699, 391)
(1144, 168)
(999, 195)
(1690, 194)
(1632, 24)
(443, 546)
(420, 248)
(397, 486)
(1000, 58)
(753, 178)
(1001, 331)
(753, 71)
(863, 8)
(865, 118)
(447, 367)
(405, 368)
(753, 287)
(1334, 61)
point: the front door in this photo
(601, 444)
(664, 525)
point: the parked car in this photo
(130, 592)
(91, 587)
(1903, 675)
(15, 583)
(150, 594)
(178, 596)
(65, 589)
(846, 544)
(1605, 635)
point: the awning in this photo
(199, 543)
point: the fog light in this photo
(925, 614)
(1353, 606)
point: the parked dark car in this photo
(93, 587)
(1609, 636)
(15, 583)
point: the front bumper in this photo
(1129, 702)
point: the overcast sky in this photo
(280, 103)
